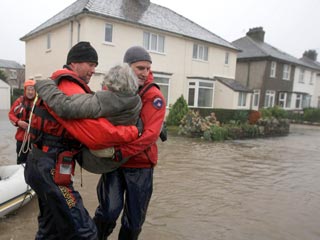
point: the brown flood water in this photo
(261, 189)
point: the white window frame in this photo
(301, 75)
(226, 58)
(200, 52)
(269, 98)
(298, 103)
(164, 83)
(108, 33)
(311, 78)
(49, 41)
(306, 101)
(196, 85)
(153, 42)
(273, 69)
(284, 100)
(286, 72)
(256, 98)
(242, 99)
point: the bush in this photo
(194, 125)
(275, 112)
(311, 115)
(177, 112)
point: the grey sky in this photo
(292, 26)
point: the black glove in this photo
(117, 156)
(139, 125)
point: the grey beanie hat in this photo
(136, 54)
(82, 52)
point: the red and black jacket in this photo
(48, 128)
(144, 150)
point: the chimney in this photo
(310, 54)
(256, 34)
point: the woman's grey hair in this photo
(121, 78)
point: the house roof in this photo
(133, 11)
(233, 84)
(258, 49)
(10, 64)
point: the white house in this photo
(5, 95)
(186, 57)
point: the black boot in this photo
(105, 228)
(126, 234)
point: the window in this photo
(311, 78)
(301, 76)
(153, 42)
(226, 58)
(298, 100)
(48, 41)
(13, 74)
(286, 72)
(163, 82)
(200, 93)
(256, 97)
(306, 101)
(108, 33)
(269, 98)
(273, 69)
(200, 52)
(284, 100)
(242, 99)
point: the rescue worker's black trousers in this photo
(127, 189)
(62, 214)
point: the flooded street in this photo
(261, 189)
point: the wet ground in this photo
(261, 189)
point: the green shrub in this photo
(177, 112)
(311, 115)
(275, 112)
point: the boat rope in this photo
(26, 146)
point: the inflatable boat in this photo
(14, 192)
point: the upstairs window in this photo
(200, 52)
(311, 78)
(48, 41)
(286, 72)
(226, 58)
(273, 69)
(153, 42)
(108, 33)
(301, 76)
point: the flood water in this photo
(261, 189)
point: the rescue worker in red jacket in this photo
(19, 116)
(50, 165)
(129, 188)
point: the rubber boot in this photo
(104, 228)
(126, 234)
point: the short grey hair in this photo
(121, 78)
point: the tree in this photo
(177, 112)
